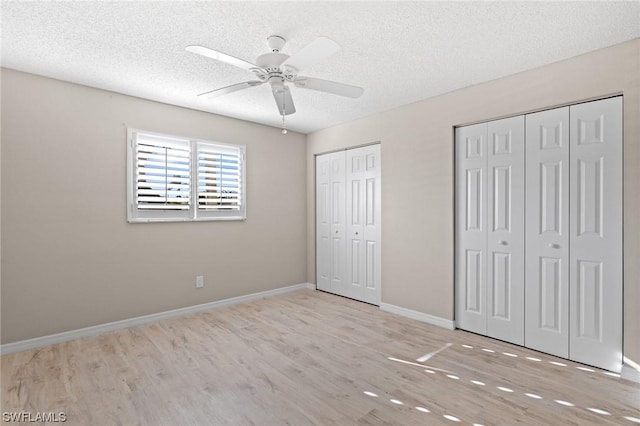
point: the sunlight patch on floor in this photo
(590, 370)
(599, 411)
(505, 389)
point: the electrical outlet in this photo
(199, 281)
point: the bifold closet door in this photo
(330, 222)
(348, 223)
(490, 229)
(505, 231)
(471, 228)
(363, 224)
(596, 233)
(547, 232)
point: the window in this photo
(178, 179)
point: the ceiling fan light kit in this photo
(279, 69)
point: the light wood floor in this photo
(307, 358)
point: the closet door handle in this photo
(555, 246)
(502, 242)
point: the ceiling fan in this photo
(279, 69)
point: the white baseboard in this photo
(37, 342)
(630, 373)
(429, 319)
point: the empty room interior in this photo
(339, 213)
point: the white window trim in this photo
(193, 214)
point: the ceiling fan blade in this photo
(329, 87)
(319, 49)
(284, 101)
(223, 57)
(230, 89)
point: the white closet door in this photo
(596, 233)
(372, 224)
(505, 230)
(471, 227)
(355, 224)
(323, 222)
(348, 225)
(338, 281)
(547, 232)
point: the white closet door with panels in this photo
(547, 235)
(330, 224)
(596, 233)
(539, 231)
(505, 233)
(490, 228)
(352, 199)
(471, 227)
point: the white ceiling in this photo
(400, 52)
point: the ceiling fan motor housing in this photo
(276, 43)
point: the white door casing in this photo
(596, 233)
(505, 229)
(547, 232)
(471, 227)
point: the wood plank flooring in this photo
(308, 358)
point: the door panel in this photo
(505, 234)
(323, 223)
(339, 281)
(471, 190)
(596, 233)
(547, 232)
(372, 224)
(355, 226)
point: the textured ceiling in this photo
(400, 52)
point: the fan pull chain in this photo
(284, 129)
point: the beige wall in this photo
(69, 257)
(417, 173)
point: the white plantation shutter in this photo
(165, 173)
(220, 179)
